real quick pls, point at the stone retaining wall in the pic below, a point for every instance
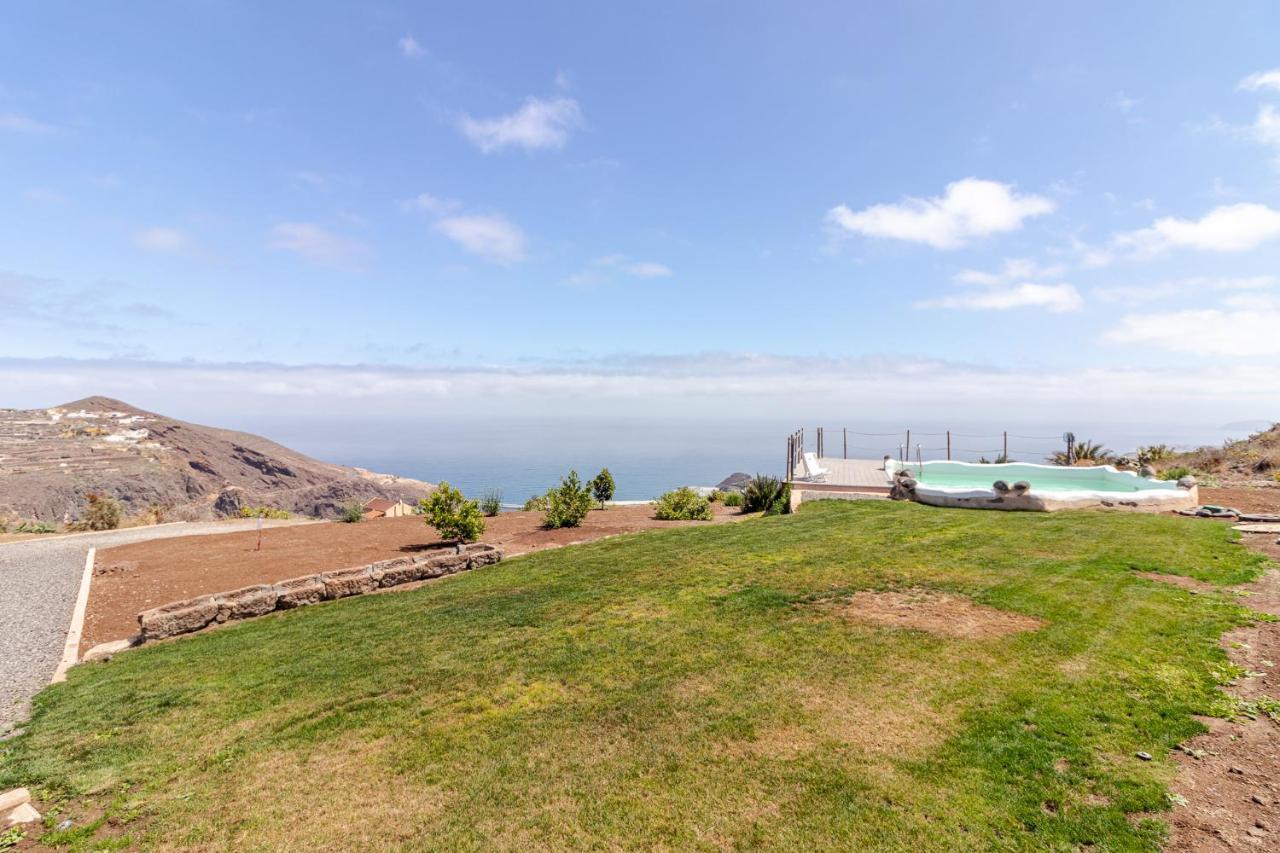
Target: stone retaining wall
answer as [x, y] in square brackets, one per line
[183, 617]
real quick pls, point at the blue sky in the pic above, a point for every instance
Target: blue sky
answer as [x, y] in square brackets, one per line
[638, 207]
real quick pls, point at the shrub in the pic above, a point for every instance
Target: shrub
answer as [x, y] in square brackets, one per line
[733, 499]
[1085, 451]
[602, 487]
[761, 493]
[716, 495]
[782, 504]
[103, 513]
[537, 503]
[1155, 453]
[352, 513]
[271, 512]
[568, 503]
[31, 527]
[684, 504]
[1175, 473]
[491, 502]
[455, 518]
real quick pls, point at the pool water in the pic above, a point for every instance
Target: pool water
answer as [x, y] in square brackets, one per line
[1043, 478]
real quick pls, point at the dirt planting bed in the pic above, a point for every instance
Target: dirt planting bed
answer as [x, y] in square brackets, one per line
[133, 578]
[1261, 499]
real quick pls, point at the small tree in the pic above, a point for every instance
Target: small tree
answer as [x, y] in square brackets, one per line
[684, 504]
[103, 513]
[568, 503]
[455, 518]
[352, 513]
[602, 487]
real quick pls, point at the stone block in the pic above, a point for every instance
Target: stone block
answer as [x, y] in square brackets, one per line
[347, 582]
[180, 617]
[443, 564]
[482, 554]
[246, 602]
[399, 571]
[299, 592]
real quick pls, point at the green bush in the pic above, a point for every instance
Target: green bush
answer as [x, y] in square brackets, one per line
[684, 504]
[352, 513]
[537, 503]
[716, 495]
[568, 503]
[1154, 453]
[1175, 473]
[455, 518]
[269, 512]
[30, 527]
[602, 487]
[781, 504]
[733, 499]
[102, 513]
[491, 502]
[761, 493]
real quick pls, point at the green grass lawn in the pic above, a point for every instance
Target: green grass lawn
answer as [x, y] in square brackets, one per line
[690, 688]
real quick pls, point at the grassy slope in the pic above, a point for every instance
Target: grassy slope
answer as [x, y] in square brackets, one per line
[682, 688]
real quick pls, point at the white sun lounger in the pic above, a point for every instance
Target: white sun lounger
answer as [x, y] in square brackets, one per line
[812, 470]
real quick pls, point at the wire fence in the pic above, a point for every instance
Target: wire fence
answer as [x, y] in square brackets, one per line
[908, 445]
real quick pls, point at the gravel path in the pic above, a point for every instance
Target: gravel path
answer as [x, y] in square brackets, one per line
[39, 580]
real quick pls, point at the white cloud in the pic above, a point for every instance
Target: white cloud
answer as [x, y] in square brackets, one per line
[163, 239]
[538, 123]
[1241, 328]
[23, 124]
[410, 48]
[1229, 228]
[1261, 80]
[427, 203]
[1176, 288]
[318, 245]
[491, 236]
[1014, 269]
[1124, 103]
[967, 209]
[1058, 298]
[604, 269]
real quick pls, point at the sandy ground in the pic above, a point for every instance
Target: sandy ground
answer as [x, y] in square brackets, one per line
[133, 578]
[1230, 777]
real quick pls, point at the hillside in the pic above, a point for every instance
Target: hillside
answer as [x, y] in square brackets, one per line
[1252, 461]
[51, 458]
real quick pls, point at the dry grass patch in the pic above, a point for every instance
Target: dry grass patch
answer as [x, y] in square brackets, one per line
[941, 613]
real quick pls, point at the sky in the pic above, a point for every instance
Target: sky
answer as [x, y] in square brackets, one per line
[859, 212]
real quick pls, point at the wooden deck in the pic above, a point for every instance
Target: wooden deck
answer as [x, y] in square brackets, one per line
[846, 475]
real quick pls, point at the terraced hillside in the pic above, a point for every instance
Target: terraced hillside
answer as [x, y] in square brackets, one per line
[50, 459]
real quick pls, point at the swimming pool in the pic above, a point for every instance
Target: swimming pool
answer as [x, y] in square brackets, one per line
[1049, 487]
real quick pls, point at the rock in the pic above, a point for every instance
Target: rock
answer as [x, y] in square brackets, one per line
[482, 554]
[398, 571]
[1145, 756]
[180, 617]
[24, 813]
[1021, 487]
[246, 602]
[1258, 800]
[299, 592]
[104, 651]
[735, 482]
[347, 582]
[1187, 482]
[14, 798]
[1235, 770]
[1147, 472]
[66, 824]
[442, 564]
[1000, 487]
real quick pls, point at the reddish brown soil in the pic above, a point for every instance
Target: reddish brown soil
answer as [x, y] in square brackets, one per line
[133, 578]
[1230, 776]
[1243, 499]
[935, 612]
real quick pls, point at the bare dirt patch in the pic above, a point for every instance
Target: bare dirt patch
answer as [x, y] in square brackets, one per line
[1262, 499]
[936, 612]
[136, 577]
[1180, 581]
[1230, 776]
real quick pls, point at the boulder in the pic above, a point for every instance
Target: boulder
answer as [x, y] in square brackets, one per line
[246, 602]
[1021, 487]
[347, 582]
[1000, 487]
[1147, 472]
[104, 651]
[180, 617]
[1187, 482]
[14, 798]
[299, 592]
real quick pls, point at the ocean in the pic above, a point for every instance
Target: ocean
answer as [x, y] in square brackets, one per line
[524, 457]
